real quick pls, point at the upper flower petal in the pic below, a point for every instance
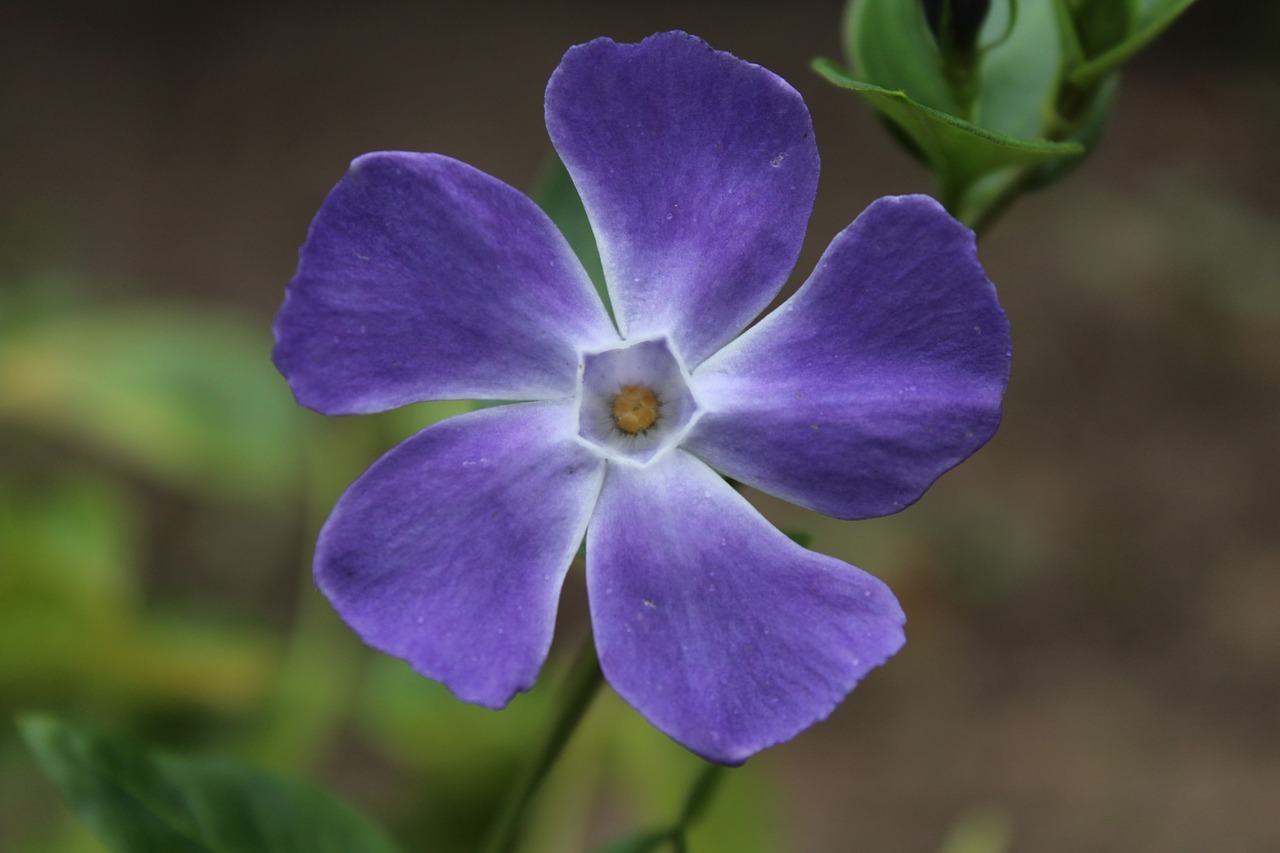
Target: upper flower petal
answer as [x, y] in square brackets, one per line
[698, 171]
[723, 632]
[423, 278]
[883, 371]
[450, 551]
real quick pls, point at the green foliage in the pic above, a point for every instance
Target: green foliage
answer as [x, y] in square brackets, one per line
[137, 800]
[803, 538]
[189, 396]
[892, 46]
[1146, 20]
[70, 618]
[959, 152]
[1101, 24]
[1016, 111]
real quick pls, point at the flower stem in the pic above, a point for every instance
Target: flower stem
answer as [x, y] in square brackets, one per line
[980, 217]
[696, 803]
[579, 686]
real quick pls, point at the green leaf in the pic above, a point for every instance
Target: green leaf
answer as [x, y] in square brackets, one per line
[190, 396]
[803, 538]
[1073, 49]
[1102, 24]
[1019, 75]
[959, 152]
[1087, 136]
[1155, 17]
[889, 44]
[559, 199]
[137, 800]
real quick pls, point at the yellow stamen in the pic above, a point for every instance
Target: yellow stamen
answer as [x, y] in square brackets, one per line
[635, 409]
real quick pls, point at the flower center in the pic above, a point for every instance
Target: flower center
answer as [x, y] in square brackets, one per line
[635, 409]
[635, 401]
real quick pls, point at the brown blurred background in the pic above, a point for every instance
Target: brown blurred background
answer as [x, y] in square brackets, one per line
[1094, 639]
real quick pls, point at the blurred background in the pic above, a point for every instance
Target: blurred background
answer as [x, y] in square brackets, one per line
[1094, 648]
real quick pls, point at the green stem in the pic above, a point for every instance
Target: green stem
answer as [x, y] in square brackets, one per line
[696, 803]
[579, 686]
[980, 217]
[1070, 118]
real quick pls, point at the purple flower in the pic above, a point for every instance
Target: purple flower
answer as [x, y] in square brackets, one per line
[425, 279]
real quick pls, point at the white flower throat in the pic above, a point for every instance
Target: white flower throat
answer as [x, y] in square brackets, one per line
[635, 401]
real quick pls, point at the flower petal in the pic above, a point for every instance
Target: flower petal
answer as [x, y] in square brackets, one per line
[883, 371]
[450, 551]
[698, 171]
[723, 632]
[425, 279]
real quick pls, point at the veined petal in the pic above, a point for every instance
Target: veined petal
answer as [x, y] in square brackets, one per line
[423, 278]
[450, 551]
[719, 629]
[698, 172]
[883, 371]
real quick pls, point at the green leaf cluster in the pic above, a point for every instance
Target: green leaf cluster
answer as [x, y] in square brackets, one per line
[1016, 111]
[135, 799]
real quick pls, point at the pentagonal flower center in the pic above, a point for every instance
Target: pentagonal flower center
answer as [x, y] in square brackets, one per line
[635, 401]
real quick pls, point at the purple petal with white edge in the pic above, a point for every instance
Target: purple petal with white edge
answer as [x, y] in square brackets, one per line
[883, 371]
[698, 172]
[720, 630]
[423, 278]
[450, 551]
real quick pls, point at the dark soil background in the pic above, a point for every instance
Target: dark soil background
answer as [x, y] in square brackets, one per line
[1094, 654]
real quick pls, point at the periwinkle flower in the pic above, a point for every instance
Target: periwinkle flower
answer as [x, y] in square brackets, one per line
[425, 279]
